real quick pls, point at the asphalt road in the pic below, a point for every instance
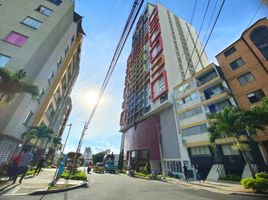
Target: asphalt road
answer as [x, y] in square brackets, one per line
[122, 187]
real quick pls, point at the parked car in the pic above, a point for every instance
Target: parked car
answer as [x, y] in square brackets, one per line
[99, 168]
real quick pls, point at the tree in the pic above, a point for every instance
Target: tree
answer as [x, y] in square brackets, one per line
[39, 133]
[12, 84]
[98, 157]
[236, 123]
[55, 143]
[121, 160]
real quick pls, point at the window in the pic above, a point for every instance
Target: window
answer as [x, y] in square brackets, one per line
[228, 150]
[200, 151]
[50, 78]
[259, 37]
[4, 60]
[27, 118]
[195, 130]
[66, 50]
[16, 38]
[230, 51]
[41, 94]
[161, 84]
[256, 96]
[156, 50]
[56, 2]
[44, 10]
[72, 40]
[189, 98]
[190, 113]
[31, 22]
[237, 63]
[59, 63]
[246, 78]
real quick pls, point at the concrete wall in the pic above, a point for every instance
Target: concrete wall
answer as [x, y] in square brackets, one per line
[169, 140]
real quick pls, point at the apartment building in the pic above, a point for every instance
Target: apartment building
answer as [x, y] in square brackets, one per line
[245, 66]
[198, 97]
[160, 59]
[42, 37]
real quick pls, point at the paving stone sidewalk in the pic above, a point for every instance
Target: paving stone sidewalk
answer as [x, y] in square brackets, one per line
[218, 187]
[29, 184]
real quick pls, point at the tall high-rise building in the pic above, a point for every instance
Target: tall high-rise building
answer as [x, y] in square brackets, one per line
[42, 37]
[165, 52]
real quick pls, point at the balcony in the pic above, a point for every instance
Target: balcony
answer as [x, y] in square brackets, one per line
[206, 78]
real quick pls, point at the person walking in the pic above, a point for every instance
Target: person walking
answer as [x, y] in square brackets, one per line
[185, 170]
[197, 172]
[39, 165]
[26, 159]
[13, 166]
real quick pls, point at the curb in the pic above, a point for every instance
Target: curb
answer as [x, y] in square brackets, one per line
[249, 194]
[40, 192]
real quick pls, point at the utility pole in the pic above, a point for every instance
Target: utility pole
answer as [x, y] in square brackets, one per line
[80, 144]
[61, 154]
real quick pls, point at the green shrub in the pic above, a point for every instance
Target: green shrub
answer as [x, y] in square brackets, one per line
[257, 185]
[78, 175]
[262, 175]
[140, 174]
[170, 174]
[154, 177]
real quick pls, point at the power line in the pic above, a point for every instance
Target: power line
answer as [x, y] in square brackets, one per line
[211, 31]
[255, 13]
[137, 4]
[196, 41]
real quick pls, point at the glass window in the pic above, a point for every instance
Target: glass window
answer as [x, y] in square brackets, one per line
[33, 23]
[194, 130]
[246, 78]
[41, 94]
[56, 2]
[27, 118]
[161, 84]
[228, 150]
[4, 60]
[50, 78]
[230, 51]
[16, 38]
[44, 10]
[256, 96]
[237, 63]
[259, 37]
[190, 113]
[200, 151]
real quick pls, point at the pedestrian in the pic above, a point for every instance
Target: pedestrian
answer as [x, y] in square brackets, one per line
[197, 172]
[13, 166]
[185, 170]
[25, 159]
[39, 165]
[89, 167]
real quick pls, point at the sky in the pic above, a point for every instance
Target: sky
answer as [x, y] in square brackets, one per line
[103, 22]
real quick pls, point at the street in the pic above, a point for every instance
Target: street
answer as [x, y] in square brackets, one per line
[114, 187]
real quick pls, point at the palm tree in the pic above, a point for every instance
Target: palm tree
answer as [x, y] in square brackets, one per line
[56, 142]
[236, 123]
[37, 132]
[11, 84]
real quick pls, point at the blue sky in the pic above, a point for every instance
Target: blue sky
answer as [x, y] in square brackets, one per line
[103, 22]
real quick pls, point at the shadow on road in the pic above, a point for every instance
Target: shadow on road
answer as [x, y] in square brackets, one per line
[7, 189]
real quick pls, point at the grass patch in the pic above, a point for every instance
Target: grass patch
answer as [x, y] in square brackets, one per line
[231, 177]
[78, 175]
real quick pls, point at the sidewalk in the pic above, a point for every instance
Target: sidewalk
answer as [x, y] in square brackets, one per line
[29, 184]
[223, 187]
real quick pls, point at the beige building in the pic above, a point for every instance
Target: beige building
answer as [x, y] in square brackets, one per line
[44, 39]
